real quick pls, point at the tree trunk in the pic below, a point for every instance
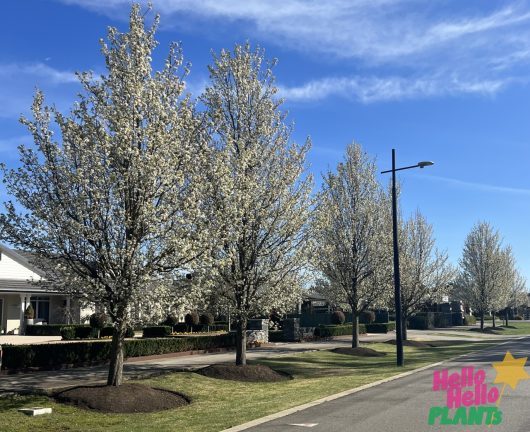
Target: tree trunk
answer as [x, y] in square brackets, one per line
[115, 377]
[506, 316]
[355, 330]
[241, 342]
[404, 327]
[482, 321]
[493, 319]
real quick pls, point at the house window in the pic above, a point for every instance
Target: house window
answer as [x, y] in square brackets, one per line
[41, 306]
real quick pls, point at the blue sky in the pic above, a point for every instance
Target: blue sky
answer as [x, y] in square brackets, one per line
[446, 81]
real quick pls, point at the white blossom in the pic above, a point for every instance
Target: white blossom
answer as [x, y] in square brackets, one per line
[115, 199]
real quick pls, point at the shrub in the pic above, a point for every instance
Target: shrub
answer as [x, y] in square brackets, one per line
[380, 327]
[53, 356]
[338, 317]
[108, 330]
[171, 320]
[68, 333]
[45, 330]
[276, 336]
[422, 321]
[469, 320]
[518, 317]
[367, 317]
[156, 331]
[98, 320]
[192, 319]
[29, 312]
[324, 331]
[206, 319]
[78, 332]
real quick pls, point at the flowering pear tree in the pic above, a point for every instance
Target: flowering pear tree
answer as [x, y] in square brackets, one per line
[262, 194]
[351, 236]
[114, 200]
[425, 271]
[484, 279]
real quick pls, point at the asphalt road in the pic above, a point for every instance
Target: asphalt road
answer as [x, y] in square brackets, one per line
[403, 405]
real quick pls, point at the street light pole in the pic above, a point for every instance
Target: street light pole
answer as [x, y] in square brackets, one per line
[397, 281]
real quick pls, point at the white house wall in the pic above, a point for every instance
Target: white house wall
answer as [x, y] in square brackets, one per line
[10, 269]
[11, 316]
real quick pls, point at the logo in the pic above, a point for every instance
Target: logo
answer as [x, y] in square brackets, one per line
[470, 400]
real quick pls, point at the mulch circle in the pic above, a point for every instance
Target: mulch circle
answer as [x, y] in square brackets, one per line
[126, 398]
[250, 373]
[417, 344]
[359, 352]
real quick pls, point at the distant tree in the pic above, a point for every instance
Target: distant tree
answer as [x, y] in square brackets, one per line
[262, 190]
[425, 271]
[484, 280]
[117, 199]
[351, 237]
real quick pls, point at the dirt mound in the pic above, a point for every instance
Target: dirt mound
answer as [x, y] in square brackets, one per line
[413, 343]
[359, 351]
[255, 373]
[127, 398]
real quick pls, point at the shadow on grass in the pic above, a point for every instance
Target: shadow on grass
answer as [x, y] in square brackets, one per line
[14, 402]
[326, 363]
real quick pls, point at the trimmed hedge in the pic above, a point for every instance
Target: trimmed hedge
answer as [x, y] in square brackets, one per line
[276, 336]
[337, 330]
[367, 317]
[107, 332]
[380, 327]
[184, 328]
[54, 356]
[78, 332]
[469, 320]
[156, 331]
[45, 330]
[55, 330]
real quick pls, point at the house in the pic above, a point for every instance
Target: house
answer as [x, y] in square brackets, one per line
[17, 291]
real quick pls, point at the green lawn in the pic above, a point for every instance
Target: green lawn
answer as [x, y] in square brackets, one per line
[220, 404]
[514, 328]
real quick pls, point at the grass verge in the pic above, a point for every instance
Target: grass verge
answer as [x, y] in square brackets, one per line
[217, 404]
[514, 328]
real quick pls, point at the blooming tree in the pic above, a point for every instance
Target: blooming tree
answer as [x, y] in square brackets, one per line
[351, 235]
[262, 194]
[486, 276]
[425, 271]
[115, 200]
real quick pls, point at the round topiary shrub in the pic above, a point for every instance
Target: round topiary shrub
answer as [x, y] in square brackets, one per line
[171, 320]
[98, 320]
[29, 313]
[338, 317]
[206, 319]
[367, 317]
[191, 319]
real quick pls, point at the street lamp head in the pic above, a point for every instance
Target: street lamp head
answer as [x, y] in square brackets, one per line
[423, 164]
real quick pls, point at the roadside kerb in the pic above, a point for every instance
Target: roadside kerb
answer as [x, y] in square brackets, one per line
[302, 407]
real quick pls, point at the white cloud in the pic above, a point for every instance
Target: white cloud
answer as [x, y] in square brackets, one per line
[479, 186]
[37, 71]
[480, 43]
[19, 80]
[382, 30]
[375, 89]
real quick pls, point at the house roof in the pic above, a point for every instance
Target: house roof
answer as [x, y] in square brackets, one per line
[22, 286]
[21, 257]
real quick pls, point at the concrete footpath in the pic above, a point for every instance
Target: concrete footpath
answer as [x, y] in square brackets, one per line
[143, 367]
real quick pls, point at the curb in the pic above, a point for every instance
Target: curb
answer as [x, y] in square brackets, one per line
[307, 405]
